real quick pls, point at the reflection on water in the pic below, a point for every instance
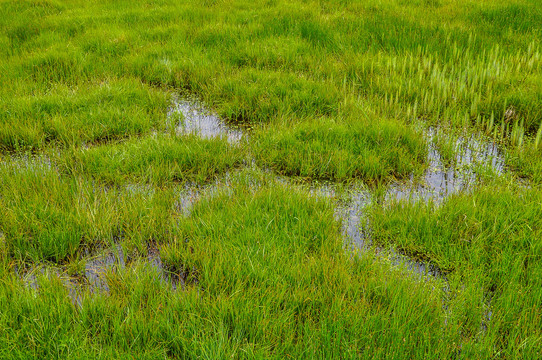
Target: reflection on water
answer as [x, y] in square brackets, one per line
[441, 181]
[196, 119]
[97, 269]
[438, 182]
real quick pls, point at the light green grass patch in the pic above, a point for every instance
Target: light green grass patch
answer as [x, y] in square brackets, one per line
[88, 113]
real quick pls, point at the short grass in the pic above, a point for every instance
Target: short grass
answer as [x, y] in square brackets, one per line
[327, 150]
[326, 90]
[158, 159]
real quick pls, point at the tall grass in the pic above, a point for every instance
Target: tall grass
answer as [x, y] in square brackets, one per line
[46, 216]
[489, 240]
[272, 279]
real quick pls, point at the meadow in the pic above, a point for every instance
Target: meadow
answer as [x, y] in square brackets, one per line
[366, 181]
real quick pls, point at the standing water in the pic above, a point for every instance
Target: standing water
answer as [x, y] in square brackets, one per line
[198, 120]
[439, 182]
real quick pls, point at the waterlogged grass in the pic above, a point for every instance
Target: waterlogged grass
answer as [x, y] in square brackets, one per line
[327, 150]
[527, 163]
[272, 279]
[49, 217]
[331, 91]
[159, 159]
[489, 239]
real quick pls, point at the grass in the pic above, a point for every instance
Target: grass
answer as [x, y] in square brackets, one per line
[249, 300]
[50, 217]
[489, 234]
[158, 159]
[91, 113]
[327, 150]
[336, 92]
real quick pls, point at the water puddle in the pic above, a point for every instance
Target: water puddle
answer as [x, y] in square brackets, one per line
[192, 117]
[30, 278]
[191, 193]
[26, 162]
[115, 259]
[97, 269]
[441, 181]
[350, 210]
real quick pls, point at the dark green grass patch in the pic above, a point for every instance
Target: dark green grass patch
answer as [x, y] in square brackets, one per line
[515, 17]
[527, 162]
[468, 230]
[326, 149]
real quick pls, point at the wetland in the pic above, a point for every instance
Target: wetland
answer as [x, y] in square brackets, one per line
[271, 179]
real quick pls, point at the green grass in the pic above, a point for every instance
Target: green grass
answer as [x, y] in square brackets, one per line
[327, 150]
[159, 159]
[271, 273]
[336, 91]
[50, 217]
[488, 238]
[92, 113]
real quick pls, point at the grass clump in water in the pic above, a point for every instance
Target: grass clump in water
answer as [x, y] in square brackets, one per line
[160, 159]
[341, 151]
[46, 216]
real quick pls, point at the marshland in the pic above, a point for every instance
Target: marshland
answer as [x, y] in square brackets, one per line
[271, 179]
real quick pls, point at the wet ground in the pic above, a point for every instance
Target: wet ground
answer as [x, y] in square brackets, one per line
[438, 182]
[441, 181]
[192, 117]
[98, 268]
